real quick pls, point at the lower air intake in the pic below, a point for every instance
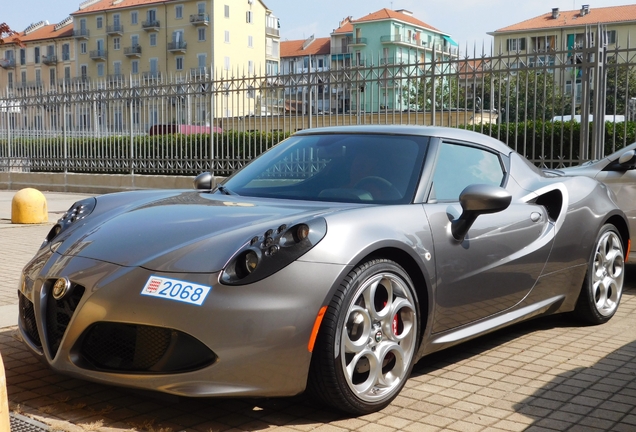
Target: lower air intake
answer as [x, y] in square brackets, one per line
[137, 348]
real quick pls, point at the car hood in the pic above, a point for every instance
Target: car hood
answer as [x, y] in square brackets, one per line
[184, 231]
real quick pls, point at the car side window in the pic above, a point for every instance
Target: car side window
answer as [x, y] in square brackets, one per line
[459, 166]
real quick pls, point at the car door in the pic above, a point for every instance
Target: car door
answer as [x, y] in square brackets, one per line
[498, 262]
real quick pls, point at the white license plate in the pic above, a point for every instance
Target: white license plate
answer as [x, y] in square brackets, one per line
[177, 290]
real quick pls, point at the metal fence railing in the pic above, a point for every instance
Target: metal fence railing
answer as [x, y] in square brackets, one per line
[205, 121]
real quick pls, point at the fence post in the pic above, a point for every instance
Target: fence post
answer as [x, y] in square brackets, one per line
[600, 90]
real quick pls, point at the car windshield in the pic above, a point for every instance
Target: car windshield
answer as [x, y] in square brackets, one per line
[356, 168]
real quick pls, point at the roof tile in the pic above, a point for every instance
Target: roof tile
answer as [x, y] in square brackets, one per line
[573, 18]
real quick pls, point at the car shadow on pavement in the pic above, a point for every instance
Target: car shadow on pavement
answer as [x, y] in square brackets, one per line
[601, 396]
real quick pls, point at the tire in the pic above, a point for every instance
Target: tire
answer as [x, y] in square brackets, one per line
[603, 285]
[367, 341]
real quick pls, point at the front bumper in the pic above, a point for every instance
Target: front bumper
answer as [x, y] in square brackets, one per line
[258, 333]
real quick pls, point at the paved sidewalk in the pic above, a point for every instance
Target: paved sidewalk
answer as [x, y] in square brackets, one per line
[548, 374]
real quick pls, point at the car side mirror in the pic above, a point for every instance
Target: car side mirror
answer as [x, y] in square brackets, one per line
[477, 200]
[203, 181]
[627, 158]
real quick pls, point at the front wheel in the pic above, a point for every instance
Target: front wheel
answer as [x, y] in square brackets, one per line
[367, 341]
[603, 285]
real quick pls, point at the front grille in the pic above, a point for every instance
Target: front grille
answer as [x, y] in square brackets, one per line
[27, 320]
[140, 348]
[58, 316]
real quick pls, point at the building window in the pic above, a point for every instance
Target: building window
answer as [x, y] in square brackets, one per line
[201, 32]
[227, 63]
[227, 36]
[117, 68]
[66, 52]
[227, 11]
[116, 43]
[248, 17]
[84, 71]
[100, 22]
[83, 48]
[250, 42]
[23, 77]
[134, 17]
[22, 56]
[38, 77]
[201, 8]
[153, 39]
[250, 67]
[611, 37]
[52, 77]
[10, 79]
[36, 55]
[179, 63]
[516, 44]
[67, 73]
[178, 11]
[134, 67]
[100, 69]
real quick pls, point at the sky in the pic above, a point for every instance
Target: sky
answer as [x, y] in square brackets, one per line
[467, 21]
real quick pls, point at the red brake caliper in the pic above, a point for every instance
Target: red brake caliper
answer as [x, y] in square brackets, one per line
[394, 324]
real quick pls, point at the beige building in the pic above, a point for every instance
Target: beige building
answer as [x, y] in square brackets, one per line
[44, 59]
[151, 39]
[563, 30]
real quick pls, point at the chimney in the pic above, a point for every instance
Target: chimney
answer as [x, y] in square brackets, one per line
[555, 13]
[585, 9]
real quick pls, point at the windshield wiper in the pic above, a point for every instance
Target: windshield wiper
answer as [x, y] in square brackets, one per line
[224, 190]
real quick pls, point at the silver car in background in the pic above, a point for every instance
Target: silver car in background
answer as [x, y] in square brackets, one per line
[618, 172]
[333, 262]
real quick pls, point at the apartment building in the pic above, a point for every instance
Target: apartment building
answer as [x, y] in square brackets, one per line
[44, 58]
[299, 60]
[535, 41]
[389, 38]
[150, 39]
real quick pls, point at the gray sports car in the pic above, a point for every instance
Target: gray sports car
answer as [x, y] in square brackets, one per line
[618, 172]
[331, 263]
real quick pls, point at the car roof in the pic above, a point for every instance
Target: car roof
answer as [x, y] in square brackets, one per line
[430, 131]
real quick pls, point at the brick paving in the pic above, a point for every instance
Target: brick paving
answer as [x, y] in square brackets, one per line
[549, 374]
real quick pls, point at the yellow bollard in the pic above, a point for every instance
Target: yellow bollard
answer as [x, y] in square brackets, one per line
[29, 207]
[4, 401]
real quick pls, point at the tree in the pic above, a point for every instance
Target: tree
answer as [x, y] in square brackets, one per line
[528, 94]
[5, 32]
[621, 87]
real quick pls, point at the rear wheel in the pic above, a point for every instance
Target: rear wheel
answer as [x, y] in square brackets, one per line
[367, 341]
[603, 285]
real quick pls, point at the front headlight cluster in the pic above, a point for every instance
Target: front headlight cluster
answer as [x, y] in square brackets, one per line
[267, 253]
[77, 212]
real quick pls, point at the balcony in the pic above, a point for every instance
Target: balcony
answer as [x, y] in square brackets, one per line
[358, 41]
[7, 63]
[49, 60]
[402, 40]
[271, 31]
[116, 78]
[99, 55]
[82, 80]
[115, 30]
[151, 76]
[81, 33]
[200, 19]
[133, 51]
[151, 25]
[199, 73]
[177, 47]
